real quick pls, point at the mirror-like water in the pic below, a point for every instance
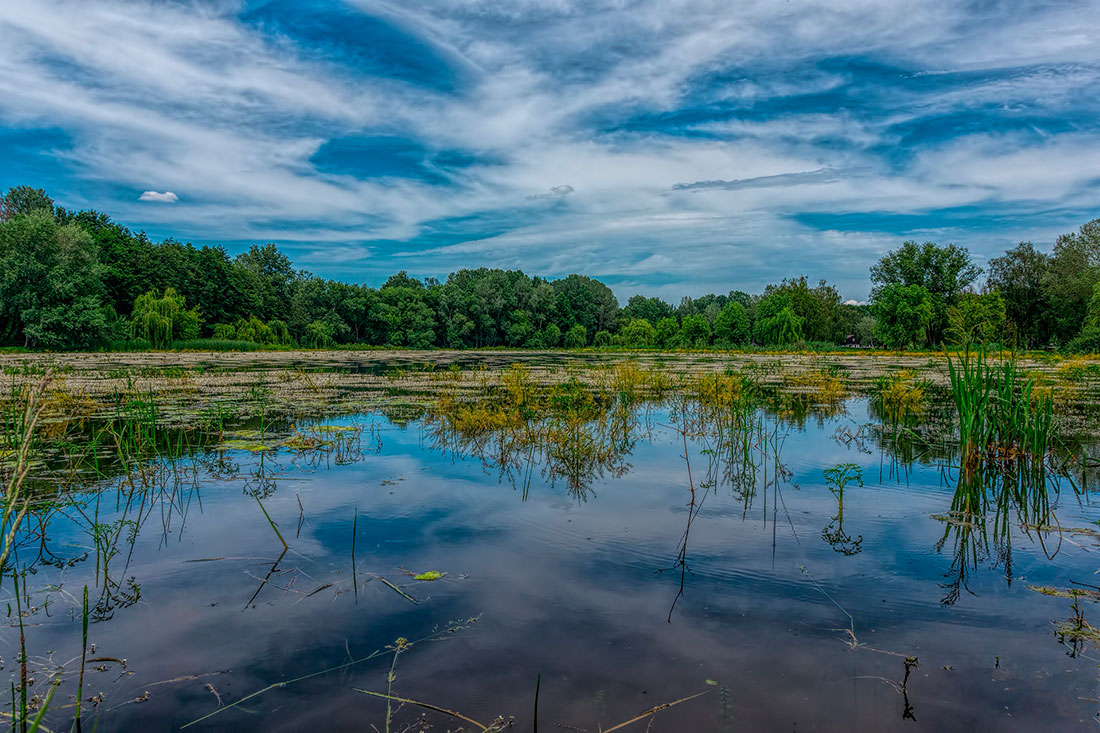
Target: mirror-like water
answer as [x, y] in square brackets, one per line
[630, 566]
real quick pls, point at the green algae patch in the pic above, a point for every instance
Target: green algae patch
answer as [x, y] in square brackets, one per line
[430, 575]
[251, 446]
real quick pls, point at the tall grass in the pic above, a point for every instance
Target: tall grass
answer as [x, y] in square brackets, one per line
[1000, 416]
[22, 425]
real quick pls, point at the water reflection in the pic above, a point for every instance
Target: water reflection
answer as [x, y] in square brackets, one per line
[985, 507]
[570, 433]
[722, 484]
[837, 479]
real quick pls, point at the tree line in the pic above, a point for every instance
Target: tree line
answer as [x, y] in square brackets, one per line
[77, 280]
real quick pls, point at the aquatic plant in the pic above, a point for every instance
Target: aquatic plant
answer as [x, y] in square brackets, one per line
[999, 418]
[900, 396]
[21, 429]
[820, 386]
[837, 478]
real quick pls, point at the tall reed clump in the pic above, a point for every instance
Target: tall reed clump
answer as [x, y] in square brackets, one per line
[1001, 417]
[21, 425]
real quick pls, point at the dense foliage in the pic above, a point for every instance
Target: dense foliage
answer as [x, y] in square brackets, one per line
[79, 280]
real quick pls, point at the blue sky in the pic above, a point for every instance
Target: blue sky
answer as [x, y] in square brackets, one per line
[667, 147]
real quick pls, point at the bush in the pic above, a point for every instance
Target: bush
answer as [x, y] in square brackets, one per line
[129, 345]
[1088, 342]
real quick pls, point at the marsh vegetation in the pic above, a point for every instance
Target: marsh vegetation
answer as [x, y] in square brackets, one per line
[691, 542]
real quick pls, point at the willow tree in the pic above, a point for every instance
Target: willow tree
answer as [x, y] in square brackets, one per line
[776, 322]
[162, 319]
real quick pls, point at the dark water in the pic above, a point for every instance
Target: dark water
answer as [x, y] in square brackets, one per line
[786, 620]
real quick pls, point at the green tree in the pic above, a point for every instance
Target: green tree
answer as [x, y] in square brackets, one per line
[1092, 315]
[318, 335]
[50, 286]
[731, 326]
[1088, 341]
[695, 331]
[776, 322]
[976, 318]
[667, 331]
[864, 330]
[24, 200]
[1018, 276]
[1069, 281]
[551, 336]
[944, 271]
[650, 309]
[587, 302]
[518, 329]
[254, 330]
[162, 319]
[902, 314]
[638, 333]
[410, 320]
[270, 277]
[575, 337]
[782, 329]
[281, 332]
[820, 307]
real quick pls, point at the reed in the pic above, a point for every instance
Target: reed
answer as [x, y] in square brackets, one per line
[83, 657]
[1000, 416]
[16, 503]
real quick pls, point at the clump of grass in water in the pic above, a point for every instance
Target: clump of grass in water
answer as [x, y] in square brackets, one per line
[1077, 631]
[999, 419]
[579, 430]
[822, 386]
[900, 396]
[15, 506]
[22, 425]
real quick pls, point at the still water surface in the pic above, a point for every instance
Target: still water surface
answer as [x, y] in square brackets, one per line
[788, 614]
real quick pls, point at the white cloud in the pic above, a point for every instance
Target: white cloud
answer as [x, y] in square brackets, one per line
[164, 198]
[189, 97]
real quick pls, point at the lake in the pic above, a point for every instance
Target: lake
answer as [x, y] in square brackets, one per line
[815, 572]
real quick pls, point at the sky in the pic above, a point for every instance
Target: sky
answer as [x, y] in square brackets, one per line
[666, 147]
